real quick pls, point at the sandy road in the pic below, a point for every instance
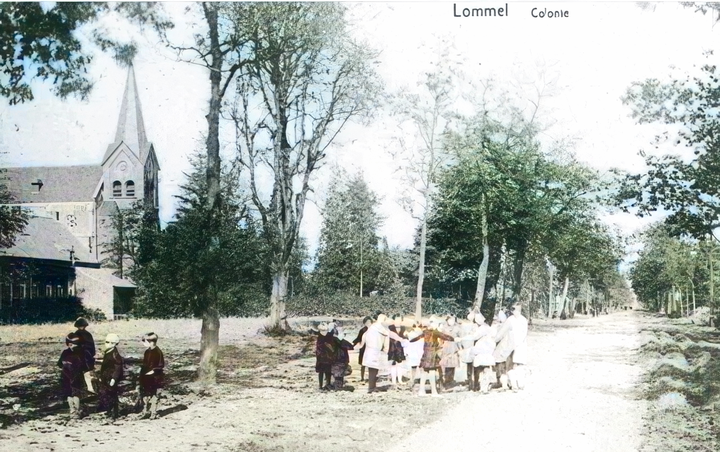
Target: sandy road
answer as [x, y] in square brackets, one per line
[580, 396]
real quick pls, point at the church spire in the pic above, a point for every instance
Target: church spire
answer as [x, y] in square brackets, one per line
[131, 128]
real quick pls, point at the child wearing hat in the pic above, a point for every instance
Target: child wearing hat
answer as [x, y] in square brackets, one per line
[325, 356]
[111, 372]
[151, 376]
[87, 343]
[73, 362]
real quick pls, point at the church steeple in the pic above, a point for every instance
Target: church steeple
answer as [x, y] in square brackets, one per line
[130, 126]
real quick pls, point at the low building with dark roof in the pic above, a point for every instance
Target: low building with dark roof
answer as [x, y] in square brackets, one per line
[61, 250]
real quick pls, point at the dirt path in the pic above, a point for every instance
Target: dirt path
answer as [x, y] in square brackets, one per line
[582, 395]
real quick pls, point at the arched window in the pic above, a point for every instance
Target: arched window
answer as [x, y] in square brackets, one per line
[117, 189]
[129, 188]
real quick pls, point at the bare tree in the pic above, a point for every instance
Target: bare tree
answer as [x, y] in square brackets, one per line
[425, 113]
[306, 78]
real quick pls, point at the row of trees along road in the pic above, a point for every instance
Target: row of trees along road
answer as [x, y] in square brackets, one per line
[491, 201]
[683, 183]
[505, 203]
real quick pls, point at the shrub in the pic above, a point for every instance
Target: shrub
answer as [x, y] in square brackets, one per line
[93, 315]
[41, 310]
[345, 305]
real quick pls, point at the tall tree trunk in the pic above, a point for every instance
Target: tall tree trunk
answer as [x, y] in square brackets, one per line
[532, 303]
[209, 340]
[563, 315]
[483, 269]
[421, 268]
[587, 295]
[550, 291]
[518, 265]
[693, 298]
[712, 291]
[277, 300]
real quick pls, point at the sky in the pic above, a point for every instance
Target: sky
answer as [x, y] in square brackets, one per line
[587, 60]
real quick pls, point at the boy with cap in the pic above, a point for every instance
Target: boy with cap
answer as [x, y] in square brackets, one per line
[111, 372]
[151, 376]
[87, 343]
[73, 362]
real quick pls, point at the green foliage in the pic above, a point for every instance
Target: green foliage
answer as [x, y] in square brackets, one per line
[667, 263]
[686, 188]
[132, 243]
[347, 305]
[349, 245]
[205, 257]
[40, 42]
[529, 200]
[41, 310]
[584, 248]
[12, 219]
[93, 315]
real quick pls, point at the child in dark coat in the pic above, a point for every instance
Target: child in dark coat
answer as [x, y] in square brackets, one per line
[87, 343]
[73, 362]
[340, 367]
[367, 321]
[151, 376]
[325, 356]
[111, 372]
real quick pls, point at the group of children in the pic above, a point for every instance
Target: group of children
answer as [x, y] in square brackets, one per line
[77, 362]
[430, 349]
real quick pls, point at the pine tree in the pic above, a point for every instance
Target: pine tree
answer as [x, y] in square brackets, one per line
[348, 255]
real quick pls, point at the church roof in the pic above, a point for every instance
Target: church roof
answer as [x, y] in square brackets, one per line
[46, 238]
[131, 127]
[40, 184]
[105, 276]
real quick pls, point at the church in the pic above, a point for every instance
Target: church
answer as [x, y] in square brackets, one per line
[61, 251]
